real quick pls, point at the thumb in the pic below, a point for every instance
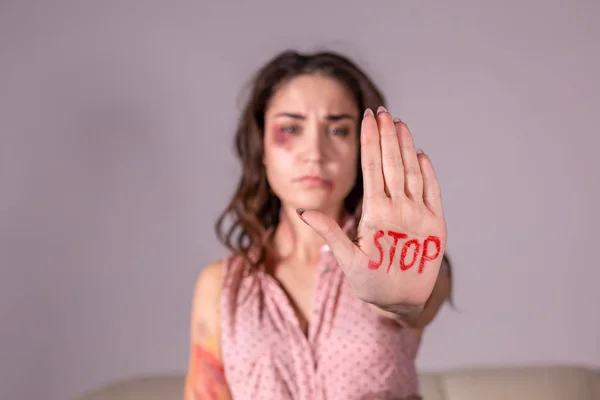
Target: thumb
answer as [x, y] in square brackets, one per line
[340, 244]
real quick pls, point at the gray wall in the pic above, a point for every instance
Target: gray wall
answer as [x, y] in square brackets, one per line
[116, 122]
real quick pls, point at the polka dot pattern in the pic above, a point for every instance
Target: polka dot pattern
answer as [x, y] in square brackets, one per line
[349, 352]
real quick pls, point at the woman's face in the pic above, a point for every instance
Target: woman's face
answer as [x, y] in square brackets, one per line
[310, 142]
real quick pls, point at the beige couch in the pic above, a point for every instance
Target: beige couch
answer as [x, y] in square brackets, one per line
[508, 383]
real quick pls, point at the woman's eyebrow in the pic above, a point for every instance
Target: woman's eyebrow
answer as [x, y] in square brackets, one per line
[330, 117]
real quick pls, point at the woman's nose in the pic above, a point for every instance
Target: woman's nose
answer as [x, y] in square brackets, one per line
[313, 146]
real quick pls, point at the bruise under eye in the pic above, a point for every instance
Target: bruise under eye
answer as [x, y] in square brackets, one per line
[281, 134]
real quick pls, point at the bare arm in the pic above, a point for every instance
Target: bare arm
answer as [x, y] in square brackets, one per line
[418, 317]
[205, 379]
[441, 292]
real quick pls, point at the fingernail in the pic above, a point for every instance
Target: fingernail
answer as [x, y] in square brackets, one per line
[368, 111]
[396, 120]
[381, 109]
[419, 151]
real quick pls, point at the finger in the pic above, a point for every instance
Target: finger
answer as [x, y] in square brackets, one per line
[340, 244]
[432, 195]
[371, 157]
[393, 170]
[413, 178]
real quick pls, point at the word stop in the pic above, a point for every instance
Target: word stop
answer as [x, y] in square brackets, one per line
[421, 251]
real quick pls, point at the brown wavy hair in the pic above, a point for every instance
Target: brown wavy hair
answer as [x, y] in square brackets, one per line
[245, 225]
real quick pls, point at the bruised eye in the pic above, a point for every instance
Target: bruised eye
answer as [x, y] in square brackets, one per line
[288, 129]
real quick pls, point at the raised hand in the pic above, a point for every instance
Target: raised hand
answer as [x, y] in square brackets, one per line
[402, 231]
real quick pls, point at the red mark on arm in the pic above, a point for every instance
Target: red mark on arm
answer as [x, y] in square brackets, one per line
[424, 256]
[210, 360]
[397, 236]
[206, 378]
[375, 265]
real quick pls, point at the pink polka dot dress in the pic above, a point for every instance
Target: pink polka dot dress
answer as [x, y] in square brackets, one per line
[349, 353]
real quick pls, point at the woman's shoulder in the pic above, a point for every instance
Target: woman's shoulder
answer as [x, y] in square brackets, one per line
[209, 283]
[220, 286]
[215, 275]
[212, 272]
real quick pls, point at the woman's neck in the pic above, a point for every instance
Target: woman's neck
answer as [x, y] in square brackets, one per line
[295, 241]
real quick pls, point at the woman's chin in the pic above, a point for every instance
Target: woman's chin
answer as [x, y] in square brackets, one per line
[324, 205]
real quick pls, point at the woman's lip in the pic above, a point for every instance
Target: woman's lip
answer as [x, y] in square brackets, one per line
[313, 178]
[316, 181]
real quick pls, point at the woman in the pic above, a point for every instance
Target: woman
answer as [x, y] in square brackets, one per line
[337, 236]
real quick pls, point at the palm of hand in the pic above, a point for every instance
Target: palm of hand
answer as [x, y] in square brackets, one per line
[402, 232]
